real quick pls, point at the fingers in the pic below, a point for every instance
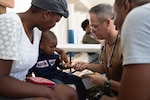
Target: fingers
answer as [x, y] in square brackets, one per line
[64, 59]
[68, 65]
[79, 66]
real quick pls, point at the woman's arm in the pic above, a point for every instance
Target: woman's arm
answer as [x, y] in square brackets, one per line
[13, 88]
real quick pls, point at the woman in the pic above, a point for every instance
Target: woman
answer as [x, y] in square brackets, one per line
[19, 43]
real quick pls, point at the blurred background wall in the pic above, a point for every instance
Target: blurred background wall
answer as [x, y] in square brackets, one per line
[78, 12]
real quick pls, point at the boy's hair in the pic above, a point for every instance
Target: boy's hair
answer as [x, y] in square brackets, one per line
[84, 24]
[48, 35]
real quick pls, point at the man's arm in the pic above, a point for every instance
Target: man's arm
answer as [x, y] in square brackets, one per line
[7, 3]
[100, 80]
[104, 97]
[135, 82]
[96, 68]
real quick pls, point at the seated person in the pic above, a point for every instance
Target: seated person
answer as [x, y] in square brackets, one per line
[49, 60]
[90, 38]
[20, 37]
[111, 54]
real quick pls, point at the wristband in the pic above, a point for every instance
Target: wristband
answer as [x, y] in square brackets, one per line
[107, 83]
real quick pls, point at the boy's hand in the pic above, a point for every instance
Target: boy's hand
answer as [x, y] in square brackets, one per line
[68, 65]
[28, 75]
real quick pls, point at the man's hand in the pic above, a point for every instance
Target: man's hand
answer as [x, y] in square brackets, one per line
[80, 66]
[97, 78]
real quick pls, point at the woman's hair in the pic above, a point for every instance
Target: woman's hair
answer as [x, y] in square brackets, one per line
[102, 11]
[84, 24]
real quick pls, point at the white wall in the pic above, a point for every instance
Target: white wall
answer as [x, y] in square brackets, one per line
[20, 6]
[61, 28]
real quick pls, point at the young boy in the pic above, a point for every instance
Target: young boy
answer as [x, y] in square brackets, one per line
[49, 60]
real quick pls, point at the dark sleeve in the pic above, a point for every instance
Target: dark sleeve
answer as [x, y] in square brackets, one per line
[58, 63]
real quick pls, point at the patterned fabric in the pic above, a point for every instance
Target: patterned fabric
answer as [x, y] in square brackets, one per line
[46, 65]
[15, 45]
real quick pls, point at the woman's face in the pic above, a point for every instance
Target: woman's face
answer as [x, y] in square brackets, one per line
[49, 20]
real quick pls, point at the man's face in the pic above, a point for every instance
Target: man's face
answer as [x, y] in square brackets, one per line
[119, 16]
[98, 27]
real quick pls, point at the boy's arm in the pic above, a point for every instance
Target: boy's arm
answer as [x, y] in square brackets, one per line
[62, 54]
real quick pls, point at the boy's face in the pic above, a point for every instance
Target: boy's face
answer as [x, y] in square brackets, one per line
[48, 47]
